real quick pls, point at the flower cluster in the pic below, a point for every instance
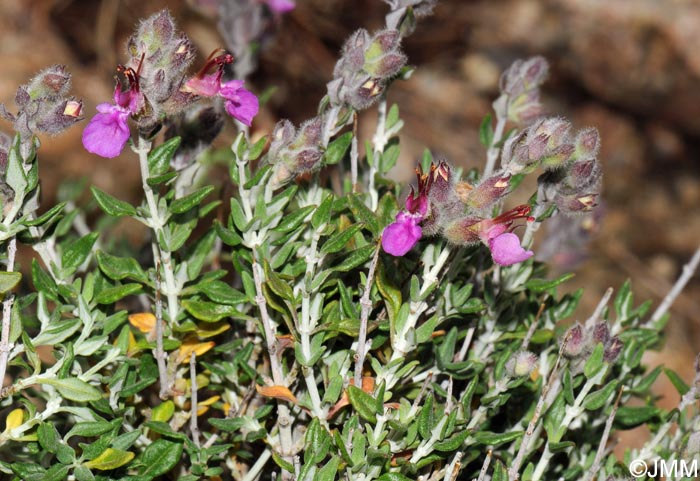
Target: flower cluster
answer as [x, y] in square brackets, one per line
[367, 63]
[520, 90]
[152, 87]
[582, 339]
[458, 212]
[293, 151]
[44, 106]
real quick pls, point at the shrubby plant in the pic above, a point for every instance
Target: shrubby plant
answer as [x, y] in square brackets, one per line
[297, 331]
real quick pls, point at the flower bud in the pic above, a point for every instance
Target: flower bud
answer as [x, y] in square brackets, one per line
[524, 75]
[386, 66]
[364, 66]
[60, 117]
[587, 144]
[296, 152]
[584, 175]
[488, 191]
[612, 349]
[576, 204]
[521, 364]
[558, 156]
[383, 42]
[464, 231]
[575, 342]
[520, 84]
[601, 333]
[161, 56]
[52, 82]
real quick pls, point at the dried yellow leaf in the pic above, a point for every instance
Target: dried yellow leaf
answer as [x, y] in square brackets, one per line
[277, 392]
[14, 419]
[203, 407]
[143, 321]
[189, 347]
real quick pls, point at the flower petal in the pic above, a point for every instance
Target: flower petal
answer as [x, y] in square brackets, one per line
[107, 132]
[206, 86]
[506, 249]
[243, 106]
[399, 237]
[280, 6]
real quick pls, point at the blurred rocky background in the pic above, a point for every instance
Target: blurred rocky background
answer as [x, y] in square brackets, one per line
[629, 67]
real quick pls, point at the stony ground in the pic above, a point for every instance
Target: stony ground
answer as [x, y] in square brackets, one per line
[629, 67]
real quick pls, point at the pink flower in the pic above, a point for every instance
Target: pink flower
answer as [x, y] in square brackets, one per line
[240, 104]
[108, 131]
[280, 6]
[400, 236]
[506, 249]
[504, 245]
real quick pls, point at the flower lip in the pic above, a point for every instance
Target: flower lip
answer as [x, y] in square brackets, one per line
[400, 236]
[506, 249]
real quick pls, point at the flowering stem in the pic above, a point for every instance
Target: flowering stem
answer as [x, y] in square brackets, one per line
[493, 151]
[157, 223]
[7, 313]
[533, 226]
[380, 139]
[366, 304]
[354, 156]
[595, 467]
[401, 344]
[284, 419]
[308, 321]
[513, 471]
[165, 385]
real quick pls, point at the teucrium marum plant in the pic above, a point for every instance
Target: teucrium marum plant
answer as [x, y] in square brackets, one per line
[285, 327]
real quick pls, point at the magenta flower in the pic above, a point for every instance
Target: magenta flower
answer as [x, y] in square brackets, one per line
[504, 245]
[279, 7]
[400, 236]
[108, 131]
[240, 104]
[506, 249]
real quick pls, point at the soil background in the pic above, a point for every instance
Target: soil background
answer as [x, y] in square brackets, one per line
[631, 68]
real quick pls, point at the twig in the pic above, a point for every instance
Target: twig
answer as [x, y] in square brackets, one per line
[448, 403]
[7, 313]
[688, 272]
[284, 418]
[366, 304]
[534, 225]
[254, 472]
[453, 469]
[485, 466]
[513, 473]
[492, 153]
[157, 223]
[165, 387]
[595, 467]
[194, 429]
[459, 357]
[533, 328]
[354, 156]
[590, 322]
[379, 140]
